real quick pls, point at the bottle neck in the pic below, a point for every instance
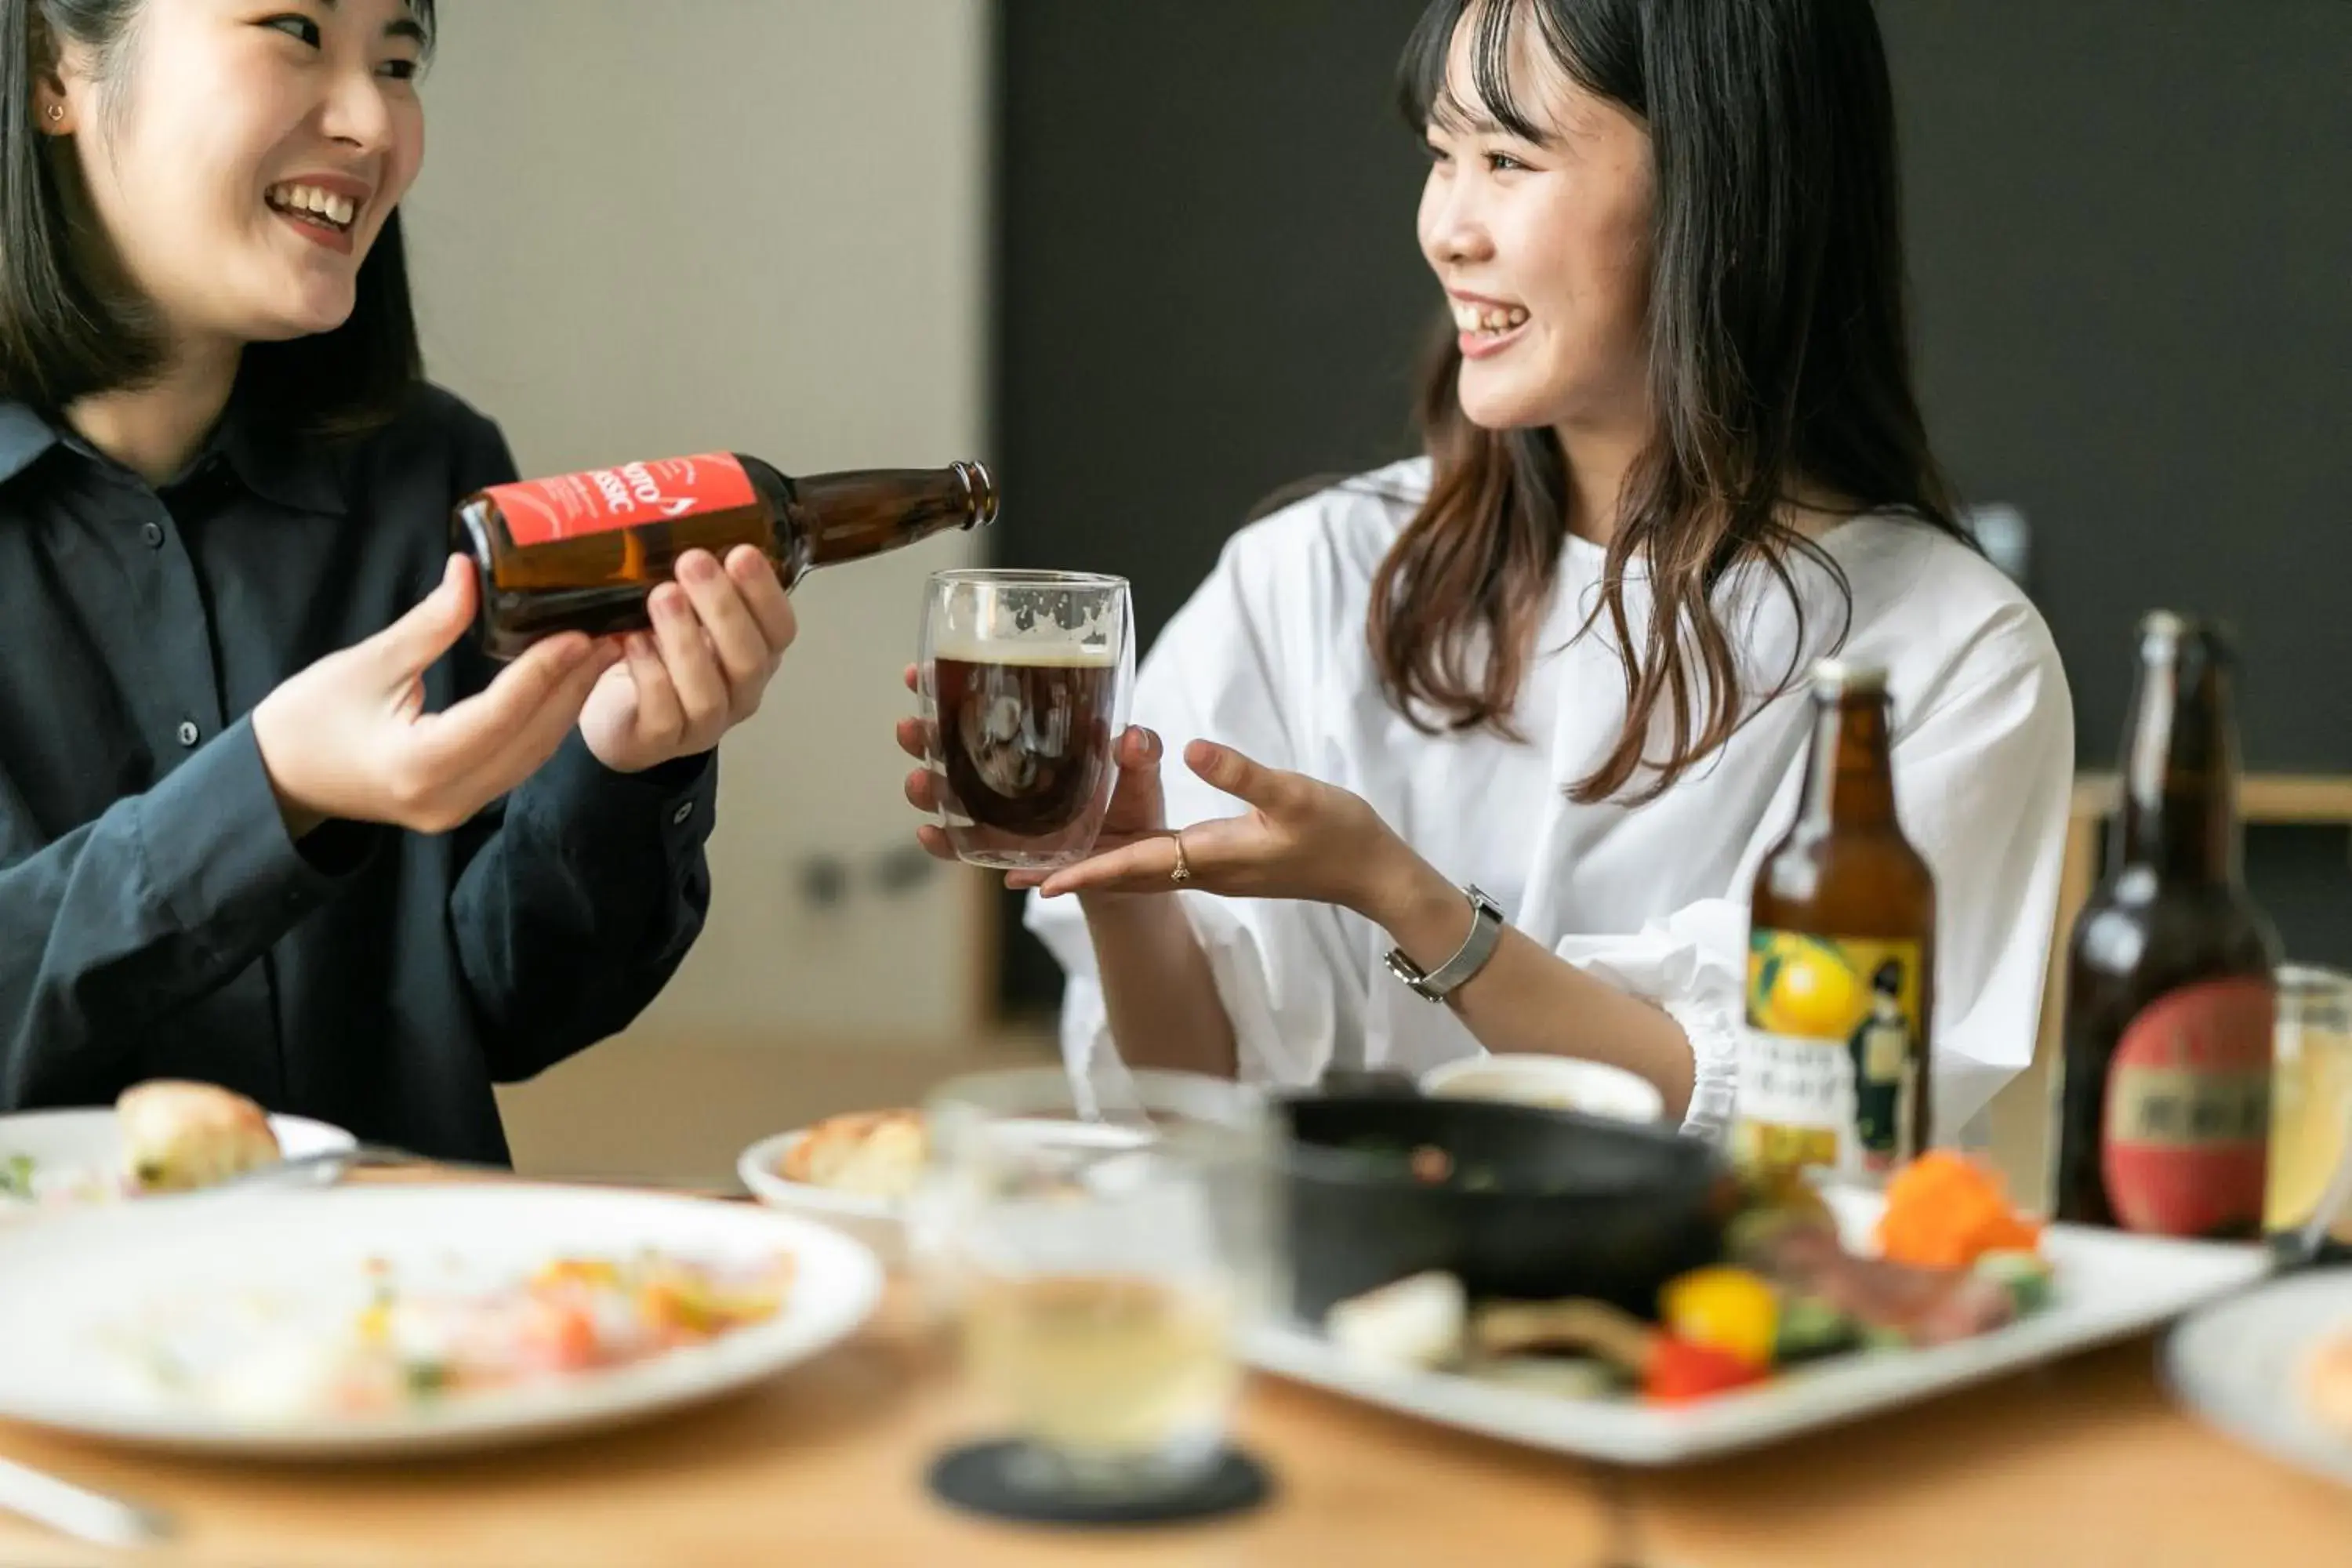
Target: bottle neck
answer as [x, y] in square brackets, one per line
[1850, 776]
[2179, 810]
[829, 519]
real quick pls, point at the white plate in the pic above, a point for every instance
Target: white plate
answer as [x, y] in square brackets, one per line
[62, 1285]
[2239, 1365]
[2109, 1285]
[879, 1223]
[89, 1139]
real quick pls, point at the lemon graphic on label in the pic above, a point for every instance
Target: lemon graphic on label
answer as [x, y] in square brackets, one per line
[1813, 992]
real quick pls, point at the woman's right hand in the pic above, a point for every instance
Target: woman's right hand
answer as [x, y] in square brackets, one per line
[349, 737]
[1138, 809]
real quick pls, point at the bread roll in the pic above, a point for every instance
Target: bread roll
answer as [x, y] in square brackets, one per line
[878, 1153]
[177, 1136]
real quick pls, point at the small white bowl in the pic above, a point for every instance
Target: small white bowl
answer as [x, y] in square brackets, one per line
[1558, 1083]
[879, 1223]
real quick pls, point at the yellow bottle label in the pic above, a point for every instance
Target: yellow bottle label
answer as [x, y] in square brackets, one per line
[1829, 1067]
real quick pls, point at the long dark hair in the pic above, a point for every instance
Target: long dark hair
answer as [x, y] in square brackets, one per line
[70, 324]
[1776, 355]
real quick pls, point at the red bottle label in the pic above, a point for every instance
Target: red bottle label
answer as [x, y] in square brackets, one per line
[2187, 1112]
[538, 512]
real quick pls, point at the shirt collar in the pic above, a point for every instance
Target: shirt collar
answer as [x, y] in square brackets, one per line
[23, 436]
[293, 469]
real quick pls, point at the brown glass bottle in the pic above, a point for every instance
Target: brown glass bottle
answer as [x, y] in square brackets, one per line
[1840, 960]
[581, 552]
[2164, 1108]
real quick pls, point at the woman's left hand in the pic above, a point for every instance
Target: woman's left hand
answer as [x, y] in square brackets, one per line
[1301, 838]
[719, 633]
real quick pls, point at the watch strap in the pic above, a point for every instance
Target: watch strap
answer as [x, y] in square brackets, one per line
[1437, 985]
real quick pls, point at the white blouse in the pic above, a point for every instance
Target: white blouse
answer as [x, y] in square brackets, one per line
[1270, 656]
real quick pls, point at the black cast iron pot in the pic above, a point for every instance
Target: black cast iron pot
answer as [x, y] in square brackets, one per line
[1532, 1203]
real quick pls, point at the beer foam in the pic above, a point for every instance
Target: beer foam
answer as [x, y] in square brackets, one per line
[1030, 655]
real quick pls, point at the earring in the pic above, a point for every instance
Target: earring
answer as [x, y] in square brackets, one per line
[57, 112]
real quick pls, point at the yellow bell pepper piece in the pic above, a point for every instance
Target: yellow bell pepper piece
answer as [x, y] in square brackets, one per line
[1725, 1309]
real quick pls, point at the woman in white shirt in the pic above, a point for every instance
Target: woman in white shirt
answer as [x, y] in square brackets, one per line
[1673, 455]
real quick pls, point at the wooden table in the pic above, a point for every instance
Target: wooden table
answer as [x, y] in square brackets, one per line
[2083, 1463]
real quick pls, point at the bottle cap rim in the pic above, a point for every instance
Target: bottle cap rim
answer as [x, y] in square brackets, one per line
[1838, 677]
[2175, 629]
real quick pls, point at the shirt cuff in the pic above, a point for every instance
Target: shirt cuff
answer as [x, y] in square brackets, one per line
[677, 798]
[1716, 1035]
[217, 854]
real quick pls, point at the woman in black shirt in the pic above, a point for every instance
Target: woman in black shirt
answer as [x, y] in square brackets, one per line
[266, 818]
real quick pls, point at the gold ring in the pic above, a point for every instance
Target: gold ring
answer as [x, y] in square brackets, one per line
[1183, 871]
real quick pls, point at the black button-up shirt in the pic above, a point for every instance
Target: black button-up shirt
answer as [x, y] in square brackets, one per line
[155, 918]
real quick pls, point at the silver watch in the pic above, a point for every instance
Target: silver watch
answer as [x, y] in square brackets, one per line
[1437, 985]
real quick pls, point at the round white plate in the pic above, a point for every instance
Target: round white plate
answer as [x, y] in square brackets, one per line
[89, 1139]
[879, 1223]
[66, 1292]
[2239, 1365]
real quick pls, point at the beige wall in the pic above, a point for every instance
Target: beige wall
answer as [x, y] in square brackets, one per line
[651, 228]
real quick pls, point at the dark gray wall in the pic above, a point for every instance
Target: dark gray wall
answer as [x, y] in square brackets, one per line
[2131, 232]
[2131, 236]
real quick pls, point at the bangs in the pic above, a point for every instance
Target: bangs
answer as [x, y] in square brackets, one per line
[1573, 36]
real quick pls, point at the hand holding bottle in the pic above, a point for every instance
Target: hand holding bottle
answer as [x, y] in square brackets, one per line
[349, 736]
[719, 634]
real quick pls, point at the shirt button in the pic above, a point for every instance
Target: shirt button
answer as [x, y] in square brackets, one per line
[153, 534]
[188, 732]
[682, 813]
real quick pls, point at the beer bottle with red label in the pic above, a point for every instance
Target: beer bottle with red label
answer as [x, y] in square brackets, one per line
[2164, 1110]
[1833, 1072]
[581, 552]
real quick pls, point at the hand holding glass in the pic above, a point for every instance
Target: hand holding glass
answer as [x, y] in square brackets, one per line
[1025, 679]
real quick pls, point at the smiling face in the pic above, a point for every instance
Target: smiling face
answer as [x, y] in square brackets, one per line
[243, 156]
[1542, 245]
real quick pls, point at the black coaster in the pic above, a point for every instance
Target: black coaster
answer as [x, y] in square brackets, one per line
[974, 1478]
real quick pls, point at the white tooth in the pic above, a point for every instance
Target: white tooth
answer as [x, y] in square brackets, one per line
[315, 199]
[1465, 317]
[341, 211]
